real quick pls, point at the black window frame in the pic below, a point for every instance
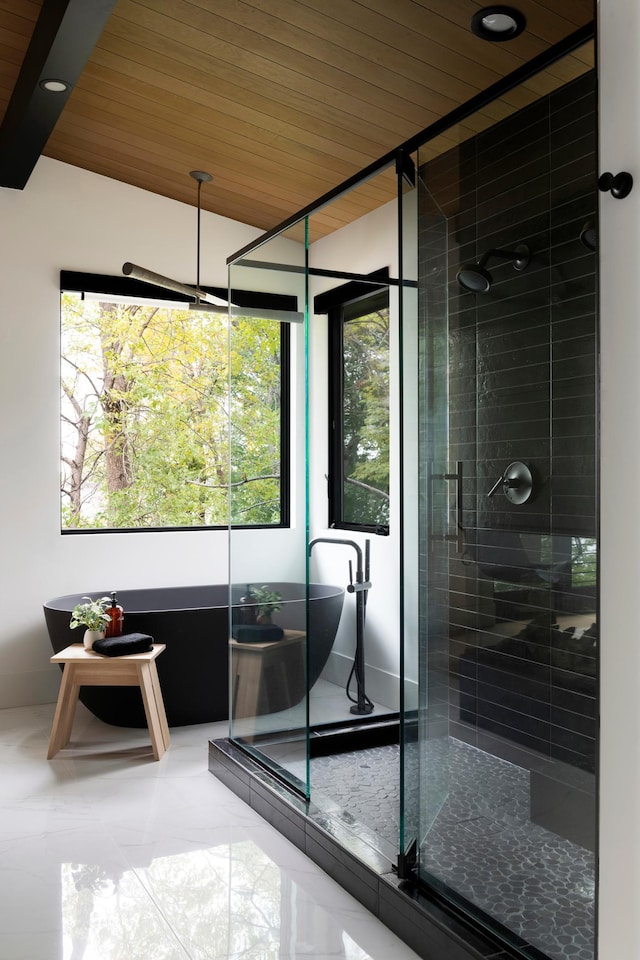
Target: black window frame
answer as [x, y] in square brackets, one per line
[72, 281]
[338, 307]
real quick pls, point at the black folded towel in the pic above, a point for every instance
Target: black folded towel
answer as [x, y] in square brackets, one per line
[258, 633]
[121, 646]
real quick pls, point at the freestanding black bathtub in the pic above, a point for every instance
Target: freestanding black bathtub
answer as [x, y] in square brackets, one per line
[193, 622]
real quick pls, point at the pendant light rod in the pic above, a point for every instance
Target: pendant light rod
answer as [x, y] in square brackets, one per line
[201, 177]
[157, 279]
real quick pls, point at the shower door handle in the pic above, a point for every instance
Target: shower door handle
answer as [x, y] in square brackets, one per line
[458, 536]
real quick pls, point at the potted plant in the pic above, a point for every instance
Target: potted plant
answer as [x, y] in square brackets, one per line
[92, 615]
[268, 603]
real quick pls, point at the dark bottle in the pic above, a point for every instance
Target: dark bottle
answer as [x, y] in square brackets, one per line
[116, 614]
[248, 607]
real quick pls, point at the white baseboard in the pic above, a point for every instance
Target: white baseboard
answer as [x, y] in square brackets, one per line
[381, 686]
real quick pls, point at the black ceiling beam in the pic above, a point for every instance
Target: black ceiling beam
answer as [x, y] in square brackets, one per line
[63, 39]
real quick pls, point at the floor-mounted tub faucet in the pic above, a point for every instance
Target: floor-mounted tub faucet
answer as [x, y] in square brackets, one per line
[362, 585]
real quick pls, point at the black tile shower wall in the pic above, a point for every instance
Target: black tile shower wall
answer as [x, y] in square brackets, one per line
[519, 373]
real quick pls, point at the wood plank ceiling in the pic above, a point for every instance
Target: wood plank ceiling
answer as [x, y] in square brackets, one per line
[282, 100]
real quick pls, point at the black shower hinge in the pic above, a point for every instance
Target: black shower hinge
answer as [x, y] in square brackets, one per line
[407, 863]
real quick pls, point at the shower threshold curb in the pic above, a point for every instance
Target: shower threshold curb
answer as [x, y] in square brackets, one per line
[337, 846]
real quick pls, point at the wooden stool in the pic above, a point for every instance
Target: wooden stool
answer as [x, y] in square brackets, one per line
[86, 668]
[268, 677]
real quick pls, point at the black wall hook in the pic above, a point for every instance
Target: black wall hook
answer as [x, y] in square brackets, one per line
[619, 186]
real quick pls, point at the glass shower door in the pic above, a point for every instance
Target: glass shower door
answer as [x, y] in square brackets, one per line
[507, 653]
[268, 686]
[429, 485]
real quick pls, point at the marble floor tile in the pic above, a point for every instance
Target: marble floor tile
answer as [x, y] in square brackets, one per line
[106, 854]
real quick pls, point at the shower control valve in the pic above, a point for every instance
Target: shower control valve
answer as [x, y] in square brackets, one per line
[516, 483]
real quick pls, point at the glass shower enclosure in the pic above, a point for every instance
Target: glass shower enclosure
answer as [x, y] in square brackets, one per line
[475, 772]
[508, 634]
[269, 590]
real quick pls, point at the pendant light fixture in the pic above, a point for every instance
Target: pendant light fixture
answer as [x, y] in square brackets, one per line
[157, 279]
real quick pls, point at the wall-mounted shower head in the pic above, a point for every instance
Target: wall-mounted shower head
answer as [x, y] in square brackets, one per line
[474, 278]
[588, 235]
[477, 279]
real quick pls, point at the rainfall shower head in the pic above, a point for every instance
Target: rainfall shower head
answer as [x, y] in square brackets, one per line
[588, 235]
[474, 278]
[477, 279]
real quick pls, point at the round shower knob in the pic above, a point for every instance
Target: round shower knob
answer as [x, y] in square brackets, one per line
[516, 483]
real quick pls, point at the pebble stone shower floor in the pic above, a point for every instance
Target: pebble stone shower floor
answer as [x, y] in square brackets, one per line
[481, 844]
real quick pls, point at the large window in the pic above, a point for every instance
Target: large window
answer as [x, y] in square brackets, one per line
[145, 411]
[359, 414]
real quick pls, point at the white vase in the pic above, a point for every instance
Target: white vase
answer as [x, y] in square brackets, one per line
[90, 636]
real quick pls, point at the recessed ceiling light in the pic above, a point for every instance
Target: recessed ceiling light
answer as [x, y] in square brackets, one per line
[498, 23]
[54, 86]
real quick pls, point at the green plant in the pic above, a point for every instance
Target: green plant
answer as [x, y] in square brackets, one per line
[91, 614]
[268, 601]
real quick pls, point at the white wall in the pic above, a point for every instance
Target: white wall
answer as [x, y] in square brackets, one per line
[67, 218]
[619, 246]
